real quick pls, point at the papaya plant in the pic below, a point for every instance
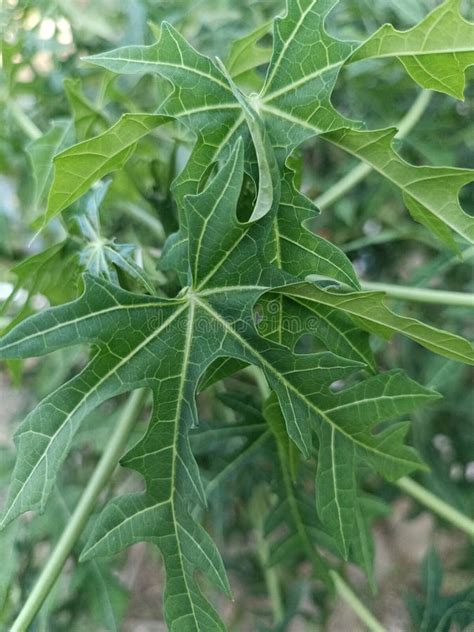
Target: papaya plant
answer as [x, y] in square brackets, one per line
[238, 293]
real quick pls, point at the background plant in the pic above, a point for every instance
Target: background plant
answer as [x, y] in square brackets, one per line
[145, 182]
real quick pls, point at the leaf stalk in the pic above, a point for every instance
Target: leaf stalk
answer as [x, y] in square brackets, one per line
[345, 592]
[422, 295]
[24, 121]
[429, 500]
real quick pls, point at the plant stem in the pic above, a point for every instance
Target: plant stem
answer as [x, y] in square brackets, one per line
[362, 170]
[24, 121]
[420, 295]
[258, 508]
[345, 592]
[83, 510]
[422, 495]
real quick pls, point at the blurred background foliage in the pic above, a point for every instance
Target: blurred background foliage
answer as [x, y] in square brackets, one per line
[46, 89]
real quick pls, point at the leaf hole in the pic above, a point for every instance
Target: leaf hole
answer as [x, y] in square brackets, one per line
[247, 198]
[466, 197]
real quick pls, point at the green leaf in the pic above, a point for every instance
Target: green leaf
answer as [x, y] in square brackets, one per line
[369, 312]
[295, 101]
[86, 117]
[430, 193]
[167, 345]
[332, 405]
[302, 71]
[53, 272]
[42, 151]
[336, 486]
[293, 105]
[293, 511]
[435, 52]
[77, 168]
[367, 509]
[246, 54]
[201, 97]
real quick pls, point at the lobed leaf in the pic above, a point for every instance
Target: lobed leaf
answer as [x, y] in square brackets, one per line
[435, 52]
[430, 193]
[370, 312]
[293, 105]
[234, 274]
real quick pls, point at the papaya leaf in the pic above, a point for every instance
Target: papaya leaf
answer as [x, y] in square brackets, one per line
[369, 312]
[243, 291]
[430, 193]
[435, 52]
[294, 105]
[167, 345]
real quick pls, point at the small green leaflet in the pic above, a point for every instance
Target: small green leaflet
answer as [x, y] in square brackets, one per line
[42, 151]
[78, 167]
[246, 54]
[86, 117]
[99, 256]
[435, 52]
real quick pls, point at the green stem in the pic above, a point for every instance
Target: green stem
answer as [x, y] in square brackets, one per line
[452, 515]
[24, 122]
[83, 510]
[362, 170]
[420, 295]
[258, 508]
[345, 592]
